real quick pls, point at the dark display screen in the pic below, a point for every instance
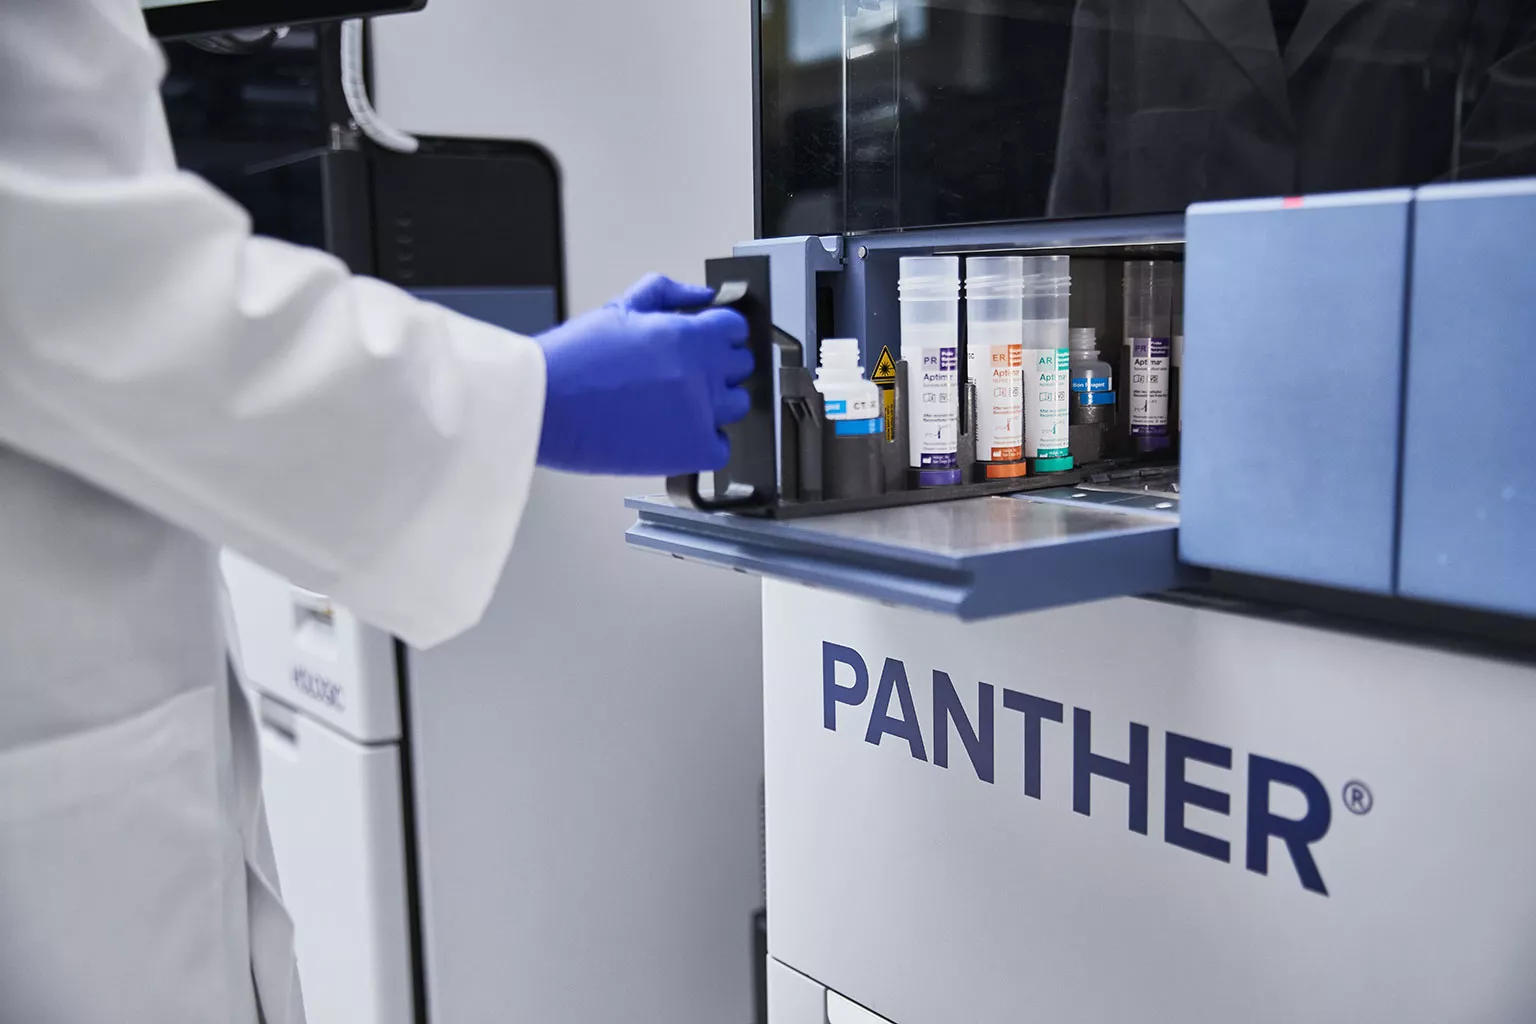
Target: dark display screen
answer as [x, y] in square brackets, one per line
[250, 124]
[883, 114]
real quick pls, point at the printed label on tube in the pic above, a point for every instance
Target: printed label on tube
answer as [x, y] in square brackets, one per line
[1048, 377]
[937, 416]
[998, 373]
[858, 428]
[1150, 359]
[855, 409]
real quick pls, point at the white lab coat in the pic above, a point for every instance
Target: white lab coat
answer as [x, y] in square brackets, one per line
[168, 383]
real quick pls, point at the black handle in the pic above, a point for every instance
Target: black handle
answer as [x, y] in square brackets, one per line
[728, 294]
[684, 490]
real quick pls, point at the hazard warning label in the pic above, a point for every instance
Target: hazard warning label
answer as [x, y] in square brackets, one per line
[885, 376]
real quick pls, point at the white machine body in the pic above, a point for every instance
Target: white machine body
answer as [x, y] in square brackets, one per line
[1307, 825]
[324, 693]
[316, 657]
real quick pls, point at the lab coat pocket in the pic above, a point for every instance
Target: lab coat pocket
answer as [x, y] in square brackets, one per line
[112, 873]
[1159, 159]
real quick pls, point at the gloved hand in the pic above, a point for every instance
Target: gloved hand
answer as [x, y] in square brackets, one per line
[637, 389]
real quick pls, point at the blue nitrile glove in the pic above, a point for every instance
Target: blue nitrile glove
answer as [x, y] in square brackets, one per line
[637, 389]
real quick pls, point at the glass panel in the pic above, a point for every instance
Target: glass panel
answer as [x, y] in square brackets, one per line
[245, 121]
[952, 109]
[800, 146]
[967, 111]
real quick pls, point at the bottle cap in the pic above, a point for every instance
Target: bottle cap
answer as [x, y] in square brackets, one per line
[929, 277]
[994, 277]
[1048, 287]
[1148, 296]
[939, 477]
[841, 353]
[1055, 270]
[1006, 470]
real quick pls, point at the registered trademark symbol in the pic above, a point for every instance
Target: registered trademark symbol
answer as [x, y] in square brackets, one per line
[1357, 797]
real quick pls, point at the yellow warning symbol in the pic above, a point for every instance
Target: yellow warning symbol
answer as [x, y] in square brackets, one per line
[888, 409]
[885, 367]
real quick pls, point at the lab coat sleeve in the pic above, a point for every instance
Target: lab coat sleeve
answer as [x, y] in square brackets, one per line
[363, 443]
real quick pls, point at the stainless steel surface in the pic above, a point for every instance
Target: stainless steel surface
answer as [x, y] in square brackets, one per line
[971, 526]
[1156, 502]
[1168, 487]
[1152, 501]
[1076, 495]
[1156, 493]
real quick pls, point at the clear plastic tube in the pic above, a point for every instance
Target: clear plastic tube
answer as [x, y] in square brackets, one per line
[1047, 362]
[1148, 335]
[356, 94]
[929, 291]
[994, 316]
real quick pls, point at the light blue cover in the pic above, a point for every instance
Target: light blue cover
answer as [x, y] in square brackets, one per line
[1291, 387]
[1469, 465]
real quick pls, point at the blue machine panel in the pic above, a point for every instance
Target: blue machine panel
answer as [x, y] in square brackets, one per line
[793, 264]
[1291, 389]
[1469, 472]
[972, 558]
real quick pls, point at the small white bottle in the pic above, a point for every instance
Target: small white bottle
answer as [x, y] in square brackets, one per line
[1093, 397]
[1092, 377]
[929, 291]
[852, 403]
